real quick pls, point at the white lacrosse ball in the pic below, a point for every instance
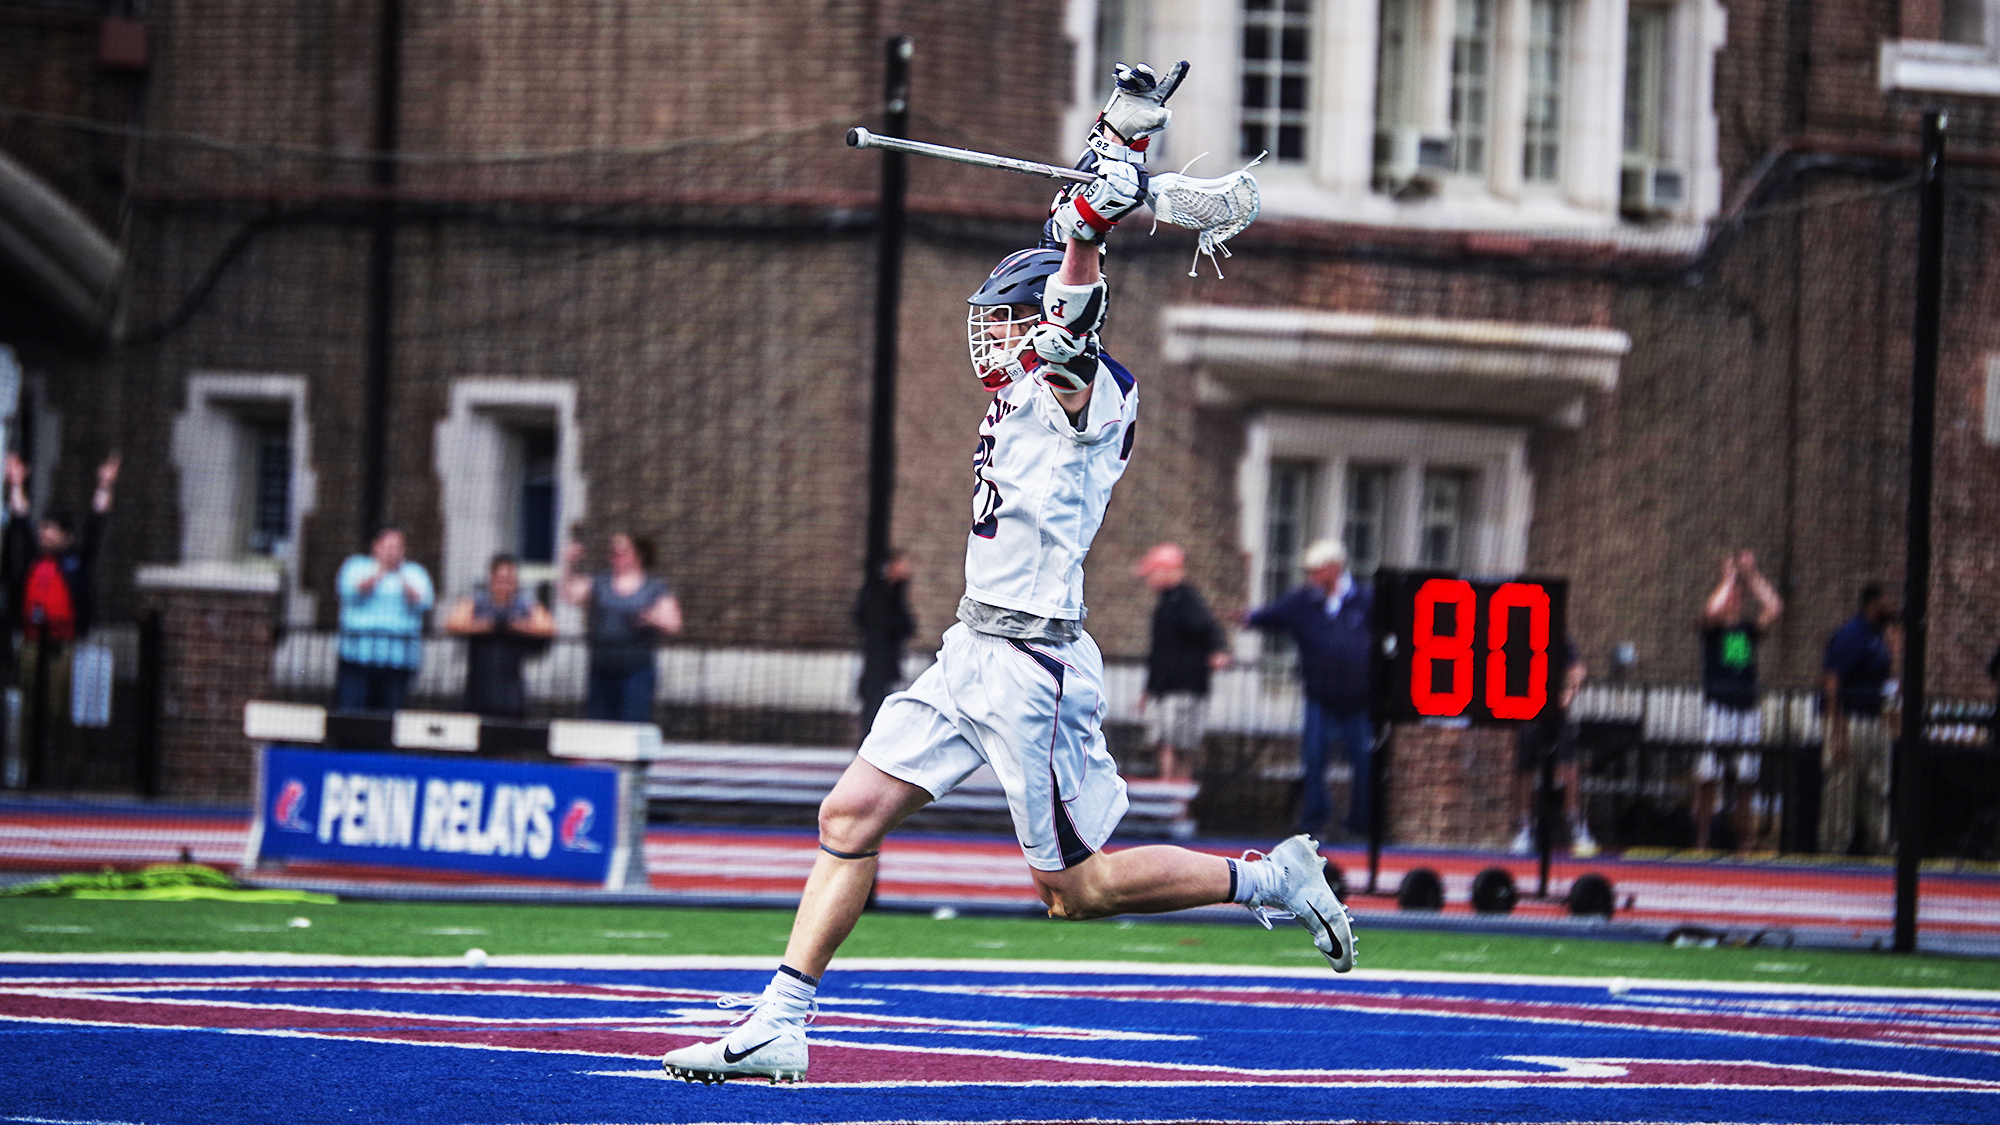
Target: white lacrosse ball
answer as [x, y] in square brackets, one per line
[475, 958]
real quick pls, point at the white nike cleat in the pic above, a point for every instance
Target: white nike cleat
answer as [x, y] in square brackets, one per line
[771, 1044]
[1302, 893]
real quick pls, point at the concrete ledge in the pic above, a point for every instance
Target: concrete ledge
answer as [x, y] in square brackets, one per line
[1498, 369]
[216, 577]
[1940, 68]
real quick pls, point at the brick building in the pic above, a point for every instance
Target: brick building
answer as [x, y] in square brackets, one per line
[1595, 288]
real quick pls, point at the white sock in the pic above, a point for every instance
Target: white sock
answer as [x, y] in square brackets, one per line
[1250, 882]
[792, 991]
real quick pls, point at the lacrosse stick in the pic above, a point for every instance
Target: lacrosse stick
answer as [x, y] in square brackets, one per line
[1216, 209]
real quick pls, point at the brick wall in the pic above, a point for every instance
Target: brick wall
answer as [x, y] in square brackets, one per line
[217, 657]
[1450, 787]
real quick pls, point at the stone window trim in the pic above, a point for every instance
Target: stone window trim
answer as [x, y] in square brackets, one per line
[1338, 181]
[206, 451]
[1495, 458]
[1942, 68]
[1499, 371]
[470, 456]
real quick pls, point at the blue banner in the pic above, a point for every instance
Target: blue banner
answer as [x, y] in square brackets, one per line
[401, 810]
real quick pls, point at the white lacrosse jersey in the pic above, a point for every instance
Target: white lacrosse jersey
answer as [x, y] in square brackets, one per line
[1039, 492]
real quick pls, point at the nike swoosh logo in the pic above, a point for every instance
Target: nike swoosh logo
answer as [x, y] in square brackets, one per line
[1330, 936]
[734, 1057]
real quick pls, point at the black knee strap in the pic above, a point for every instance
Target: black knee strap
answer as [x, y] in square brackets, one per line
[837, 854]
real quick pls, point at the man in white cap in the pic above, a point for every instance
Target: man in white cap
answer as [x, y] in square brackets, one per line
[1186, 646]
[1328, 618]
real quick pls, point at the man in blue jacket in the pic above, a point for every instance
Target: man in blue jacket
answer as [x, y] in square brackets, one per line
[1328, 619]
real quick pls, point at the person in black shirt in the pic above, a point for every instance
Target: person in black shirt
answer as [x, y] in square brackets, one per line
[882, 613]
[1553, 736]
[1187, 646]
[1730, 717]
[501, 625]
[1857, 676]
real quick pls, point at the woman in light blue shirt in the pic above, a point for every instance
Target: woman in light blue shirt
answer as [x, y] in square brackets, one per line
[383, 598]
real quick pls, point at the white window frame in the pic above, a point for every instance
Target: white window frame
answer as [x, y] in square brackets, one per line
[1497, 456]
[472, 454]
[1941, 67]
[1338, 180]
[208, 450]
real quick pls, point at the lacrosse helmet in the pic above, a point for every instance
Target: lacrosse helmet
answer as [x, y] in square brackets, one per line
[995, 332]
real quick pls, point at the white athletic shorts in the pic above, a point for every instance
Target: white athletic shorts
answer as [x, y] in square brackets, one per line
[1730, 726]
[1033, 711]
[1178, 719]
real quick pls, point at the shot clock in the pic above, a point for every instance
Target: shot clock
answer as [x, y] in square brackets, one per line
[1471, 649]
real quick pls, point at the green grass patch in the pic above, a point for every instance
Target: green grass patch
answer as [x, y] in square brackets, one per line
[443, 929]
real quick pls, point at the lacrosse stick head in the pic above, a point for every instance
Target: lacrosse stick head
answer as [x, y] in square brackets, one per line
[1216, 209]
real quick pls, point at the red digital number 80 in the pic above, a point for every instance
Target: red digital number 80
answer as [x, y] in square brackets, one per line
[1429, 647]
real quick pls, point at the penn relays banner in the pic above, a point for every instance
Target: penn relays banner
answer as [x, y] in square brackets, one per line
[400, 810]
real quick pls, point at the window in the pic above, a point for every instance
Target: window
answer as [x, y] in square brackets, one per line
[1441, 539]
[1471, 72]
[1367, 529]
[1121, 37]
[267, 488]
[1404, 493]
[507, 463]
[242, 452]
[1964, 22]
[1274, 63]
[1288, 524]
[1548, 40]
[1398, 66]
[1443, 114]
[1645, 81]
[1947, 47]
[535, 517]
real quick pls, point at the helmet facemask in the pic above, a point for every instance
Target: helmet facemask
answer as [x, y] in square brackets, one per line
[997, 337]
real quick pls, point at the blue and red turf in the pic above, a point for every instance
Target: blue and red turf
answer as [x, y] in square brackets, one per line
[163, 1040]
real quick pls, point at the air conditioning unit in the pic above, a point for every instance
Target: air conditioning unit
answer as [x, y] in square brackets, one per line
[1404, 152]
[1646, 188]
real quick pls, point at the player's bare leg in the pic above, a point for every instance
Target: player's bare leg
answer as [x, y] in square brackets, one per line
[771, 1042]
[864, 807]
[1162, 878]
[1149, 880]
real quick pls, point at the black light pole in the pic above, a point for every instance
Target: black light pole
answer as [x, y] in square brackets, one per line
[888, 296]
[880, 611]
[378, 354]
[1910, 751]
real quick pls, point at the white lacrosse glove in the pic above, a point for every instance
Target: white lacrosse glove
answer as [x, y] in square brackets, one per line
[1135, 112]
[1066, 339]
[1087, 212]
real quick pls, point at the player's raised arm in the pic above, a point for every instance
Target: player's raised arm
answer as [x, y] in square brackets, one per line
[1075, 300]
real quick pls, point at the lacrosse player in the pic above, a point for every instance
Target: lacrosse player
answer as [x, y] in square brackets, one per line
[1018, 684]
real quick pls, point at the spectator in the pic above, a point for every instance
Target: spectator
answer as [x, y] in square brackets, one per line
[1187, 645]
[1553, 735]
[1854, 763]
[629, 612]
[383, 599]
[1328, 618]
[1730, 715]
[52, 594]
[882, 613]
[501, 625]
